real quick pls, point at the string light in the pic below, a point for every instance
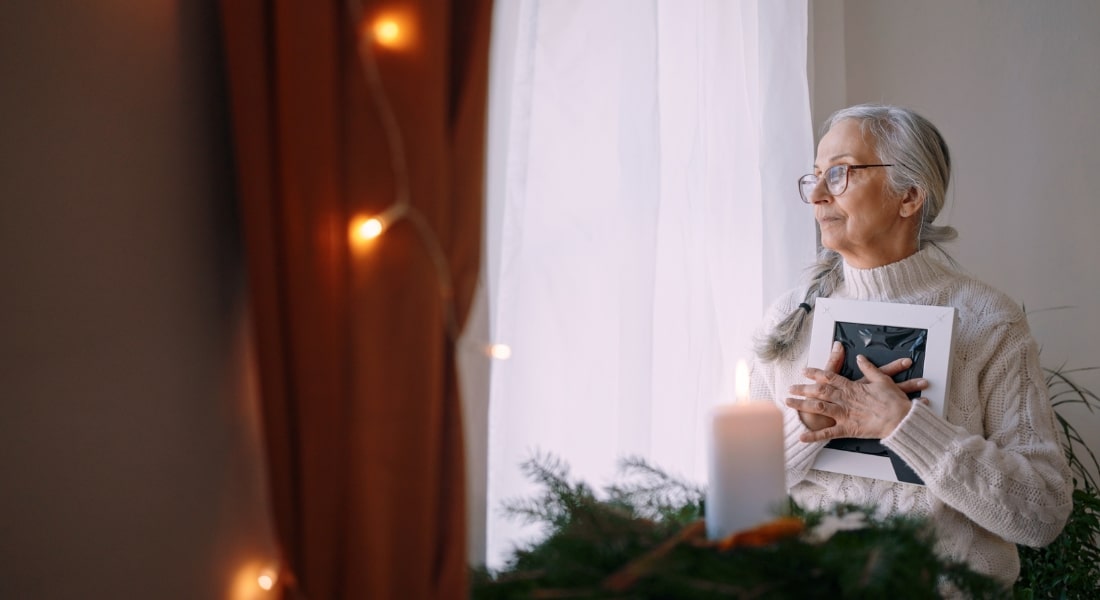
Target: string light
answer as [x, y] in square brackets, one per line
[256, 581]
[394, 29]
[387, 32]
[364, 228]
[267, 579]
[369, 229]
[500, 351]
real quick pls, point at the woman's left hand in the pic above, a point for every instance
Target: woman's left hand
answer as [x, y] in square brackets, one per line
[870, 408]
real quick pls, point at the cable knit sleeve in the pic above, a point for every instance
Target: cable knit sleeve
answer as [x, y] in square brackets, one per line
[1004, 469]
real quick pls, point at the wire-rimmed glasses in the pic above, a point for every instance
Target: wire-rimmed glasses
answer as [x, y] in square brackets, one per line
[836, 180]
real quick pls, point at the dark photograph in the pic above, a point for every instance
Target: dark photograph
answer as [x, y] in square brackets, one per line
[882, 344]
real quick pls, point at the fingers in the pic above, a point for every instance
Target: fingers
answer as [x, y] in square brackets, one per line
[814, 406]
[814, 422]
[822, 391]
[897, 366]
[913, 385]
[823, 376]
[822, 435]
[888, 371]
[836, 358]
[870, 371]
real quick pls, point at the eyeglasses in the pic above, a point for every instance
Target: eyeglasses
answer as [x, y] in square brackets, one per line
[836, 180]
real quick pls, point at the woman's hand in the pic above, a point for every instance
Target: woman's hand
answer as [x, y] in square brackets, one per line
[836, 407]
[814, 421]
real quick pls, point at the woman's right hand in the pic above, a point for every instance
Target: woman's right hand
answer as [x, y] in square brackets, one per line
[816, 422]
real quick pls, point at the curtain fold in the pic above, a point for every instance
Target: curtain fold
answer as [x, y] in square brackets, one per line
[642, 210]
[362, 418]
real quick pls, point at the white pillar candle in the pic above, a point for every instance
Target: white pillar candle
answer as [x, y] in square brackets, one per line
[746, 484]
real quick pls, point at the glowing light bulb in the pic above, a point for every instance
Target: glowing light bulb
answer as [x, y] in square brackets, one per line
[393, 28]
[387, 32]
[500, 351]
[267, 579]
[363, 229]
[370, 229]
[254, 580]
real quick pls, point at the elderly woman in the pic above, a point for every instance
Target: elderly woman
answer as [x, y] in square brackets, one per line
[993, 468]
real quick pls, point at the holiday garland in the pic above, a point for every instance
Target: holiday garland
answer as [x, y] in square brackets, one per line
[644, 539]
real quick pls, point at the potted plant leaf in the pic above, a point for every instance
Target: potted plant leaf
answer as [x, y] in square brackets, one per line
[1070, 566]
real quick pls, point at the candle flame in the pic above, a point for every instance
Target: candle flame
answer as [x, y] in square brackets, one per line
[741, 382]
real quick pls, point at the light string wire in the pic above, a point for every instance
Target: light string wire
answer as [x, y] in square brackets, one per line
[402, 207]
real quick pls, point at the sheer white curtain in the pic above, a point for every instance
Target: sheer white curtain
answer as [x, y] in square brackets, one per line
[642, 211]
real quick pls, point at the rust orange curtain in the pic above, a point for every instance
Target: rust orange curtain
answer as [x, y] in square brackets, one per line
[360, 400]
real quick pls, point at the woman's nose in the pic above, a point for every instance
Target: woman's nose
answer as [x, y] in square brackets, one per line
[820, 193]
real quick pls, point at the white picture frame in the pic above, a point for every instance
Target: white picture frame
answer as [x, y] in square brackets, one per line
[937, 321]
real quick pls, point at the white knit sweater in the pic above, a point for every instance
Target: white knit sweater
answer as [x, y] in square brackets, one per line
[994, 469]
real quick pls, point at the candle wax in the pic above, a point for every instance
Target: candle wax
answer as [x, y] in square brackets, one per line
[746, 469]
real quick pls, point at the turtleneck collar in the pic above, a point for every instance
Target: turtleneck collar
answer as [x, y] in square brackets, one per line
[905, 280]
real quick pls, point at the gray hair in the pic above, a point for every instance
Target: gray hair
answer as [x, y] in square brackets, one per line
[921, 161]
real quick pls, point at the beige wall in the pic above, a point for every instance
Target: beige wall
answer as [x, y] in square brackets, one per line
[1014, 86]
[129, 452]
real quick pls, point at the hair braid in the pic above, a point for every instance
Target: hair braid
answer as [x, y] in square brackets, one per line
[824, 278]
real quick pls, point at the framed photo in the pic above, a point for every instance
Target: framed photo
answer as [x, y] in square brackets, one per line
[883, 332]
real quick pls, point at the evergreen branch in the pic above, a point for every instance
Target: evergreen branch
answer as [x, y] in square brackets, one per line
[654, 494]
[634, 544]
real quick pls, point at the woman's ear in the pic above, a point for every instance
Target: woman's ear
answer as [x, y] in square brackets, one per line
[912, 202]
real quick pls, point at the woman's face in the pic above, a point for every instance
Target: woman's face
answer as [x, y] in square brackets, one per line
[867, 224]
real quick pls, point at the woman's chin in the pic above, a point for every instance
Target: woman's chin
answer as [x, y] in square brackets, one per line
[830, 243]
